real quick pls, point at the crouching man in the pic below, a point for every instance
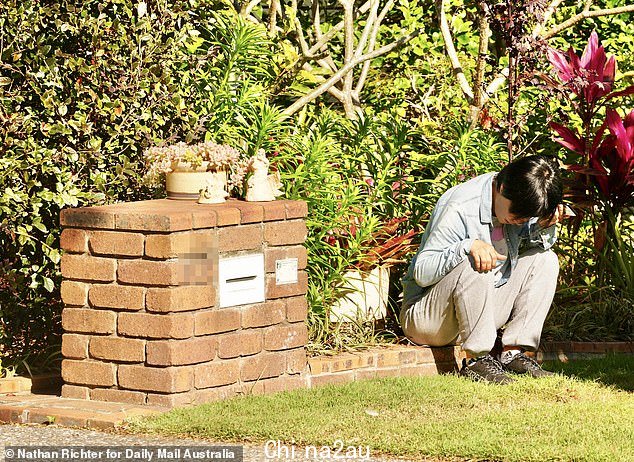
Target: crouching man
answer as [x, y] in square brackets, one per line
[484, 264]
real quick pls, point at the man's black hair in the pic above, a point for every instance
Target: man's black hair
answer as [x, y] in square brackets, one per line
[533, 186]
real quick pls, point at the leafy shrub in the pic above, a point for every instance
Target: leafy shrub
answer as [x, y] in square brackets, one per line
[360, 178]
[591, 305]
[85, 88]
[355, 177]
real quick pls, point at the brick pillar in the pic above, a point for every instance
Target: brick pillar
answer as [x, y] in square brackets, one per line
[142, 321]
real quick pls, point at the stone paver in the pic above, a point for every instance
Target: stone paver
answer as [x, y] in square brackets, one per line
[46, 409]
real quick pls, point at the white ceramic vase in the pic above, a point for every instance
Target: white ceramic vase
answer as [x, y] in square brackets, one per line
[365, 296]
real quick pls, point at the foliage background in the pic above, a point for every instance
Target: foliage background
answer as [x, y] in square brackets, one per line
[86, 86]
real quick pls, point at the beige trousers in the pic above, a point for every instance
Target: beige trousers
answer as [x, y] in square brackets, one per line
[465, 306]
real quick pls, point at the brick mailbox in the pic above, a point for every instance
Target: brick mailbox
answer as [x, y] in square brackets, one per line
[171, 303]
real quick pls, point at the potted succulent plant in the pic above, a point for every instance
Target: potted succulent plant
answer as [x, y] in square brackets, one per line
[189, 169]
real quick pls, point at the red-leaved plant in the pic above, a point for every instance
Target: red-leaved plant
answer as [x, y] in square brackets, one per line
[605, 163]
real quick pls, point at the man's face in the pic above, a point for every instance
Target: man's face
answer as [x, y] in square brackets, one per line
[501, 210]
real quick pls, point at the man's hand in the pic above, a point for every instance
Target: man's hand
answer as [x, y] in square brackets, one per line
[485, 257]
[559, 215]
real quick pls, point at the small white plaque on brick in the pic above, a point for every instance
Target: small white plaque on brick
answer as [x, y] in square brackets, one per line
[286, 271]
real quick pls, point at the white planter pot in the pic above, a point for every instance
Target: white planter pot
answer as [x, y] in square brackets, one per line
[365, 297]
[182, 185]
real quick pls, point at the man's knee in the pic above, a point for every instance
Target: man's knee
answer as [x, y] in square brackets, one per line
[548, 262]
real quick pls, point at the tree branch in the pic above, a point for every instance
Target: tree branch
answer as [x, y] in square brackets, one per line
[297, 105]
[334, 91]
[497, 83]
[302, 41]
[248, 7]
[483, 47]
[316, 19]
[312, 52]
[326, 63]
[373, 35]
[349, 55]
[326, 37]
[547, 15]
[585, 15]
[369, 25]
[451, 51]
[274, 9]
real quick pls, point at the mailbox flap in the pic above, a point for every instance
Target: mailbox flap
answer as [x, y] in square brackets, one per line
[241, 280]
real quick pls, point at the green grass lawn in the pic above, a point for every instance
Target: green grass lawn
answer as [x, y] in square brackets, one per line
[617, 370]
[560, 418]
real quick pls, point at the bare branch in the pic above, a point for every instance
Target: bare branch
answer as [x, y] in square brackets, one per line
[316, 19]
[584, 15]
[451, 51]
[302, 40]
[369, 26]
[322, 40]
[312, 52]
[274, 9]
[348, 25]
[248, 7]
[326, 38]
[334, 91]
[300, 103]
[381, 17]
[375, 32]
[483, 48]
[327, 63]
[349, 54]
[308, 53]
[497, 83]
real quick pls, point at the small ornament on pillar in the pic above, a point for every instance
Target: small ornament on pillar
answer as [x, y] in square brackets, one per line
[262, 187]
[214, 192]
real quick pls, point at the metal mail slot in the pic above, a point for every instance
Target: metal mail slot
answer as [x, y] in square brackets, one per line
[241, 280]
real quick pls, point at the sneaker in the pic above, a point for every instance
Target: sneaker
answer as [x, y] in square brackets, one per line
[522, 364]
[485, 369]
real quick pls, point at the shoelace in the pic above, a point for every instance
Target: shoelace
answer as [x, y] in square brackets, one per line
[492, 365]
[529, 362]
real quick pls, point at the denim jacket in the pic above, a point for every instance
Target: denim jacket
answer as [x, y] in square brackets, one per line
[462, 215]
